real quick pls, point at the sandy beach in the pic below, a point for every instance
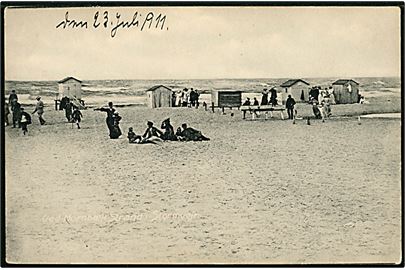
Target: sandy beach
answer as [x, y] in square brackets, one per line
[258, 192]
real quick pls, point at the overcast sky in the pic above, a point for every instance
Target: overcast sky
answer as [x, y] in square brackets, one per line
[230, 42]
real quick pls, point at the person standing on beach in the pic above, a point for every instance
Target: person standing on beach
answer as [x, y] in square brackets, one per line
[192, 98]
[174, 99]
[25, 121]
[265, 97]
[110, 116]
[186, 97]
[12, 99]
[6, 113]
[39, 109]
[116, 131]
[77, 117]
[197, 96]
[16, 114]
[273, 96]
[68, 110]
[289, 104]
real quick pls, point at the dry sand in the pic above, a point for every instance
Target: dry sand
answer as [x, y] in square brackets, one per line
[258, 192]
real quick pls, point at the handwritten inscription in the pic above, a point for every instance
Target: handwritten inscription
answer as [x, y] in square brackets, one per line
[116, 22]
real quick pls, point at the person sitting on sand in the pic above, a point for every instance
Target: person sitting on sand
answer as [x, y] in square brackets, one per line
[190, 134]
[151, 133]
[25, 121]
[255, 102]
[77, 117]
[247, 102]
[132, 137]
[169, 134]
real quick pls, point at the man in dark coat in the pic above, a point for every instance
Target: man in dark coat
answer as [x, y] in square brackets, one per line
[12, 99]
[289, 104]
[16, 114]
[68, 110]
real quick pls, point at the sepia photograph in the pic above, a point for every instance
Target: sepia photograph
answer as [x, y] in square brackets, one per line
[192, 133]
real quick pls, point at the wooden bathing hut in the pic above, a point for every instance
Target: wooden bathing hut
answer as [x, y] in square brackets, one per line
[297, 88]
[226, 99]
[159, 96]
[346, 91]
[72, 88]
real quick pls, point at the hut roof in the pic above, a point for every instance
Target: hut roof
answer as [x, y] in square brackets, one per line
[292, 82]
[344, 81]
[69, 78]
[158, 86]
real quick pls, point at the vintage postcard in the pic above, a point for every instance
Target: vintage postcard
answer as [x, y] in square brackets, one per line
[202, 134]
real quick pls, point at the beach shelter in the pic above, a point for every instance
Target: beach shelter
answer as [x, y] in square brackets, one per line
[70, 87]
[159, 96]
[346, 91]
[297, 88]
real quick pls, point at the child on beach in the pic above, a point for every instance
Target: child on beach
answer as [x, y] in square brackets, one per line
[77, 117]
[132, 137]
[24, 121]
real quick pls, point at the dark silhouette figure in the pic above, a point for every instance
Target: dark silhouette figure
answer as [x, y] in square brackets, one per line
[289, 104]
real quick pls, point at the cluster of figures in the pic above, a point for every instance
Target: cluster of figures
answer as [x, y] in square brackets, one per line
[151, 134]
[20, 118]
[185, 98]
[318, 94]
[72, 112]
[273, 101]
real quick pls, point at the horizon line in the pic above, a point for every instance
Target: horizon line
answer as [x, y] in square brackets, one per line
[240, 78]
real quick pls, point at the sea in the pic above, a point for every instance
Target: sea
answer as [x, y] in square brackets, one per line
[133, 92]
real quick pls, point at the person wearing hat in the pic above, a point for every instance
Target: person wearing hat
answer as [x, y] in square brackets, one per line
[25, 121]
[39, 109]
[110, 116]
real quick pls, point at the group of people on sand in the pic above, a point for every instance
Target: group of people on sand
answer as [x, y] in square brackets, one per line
[21, 118]
[186, 98]
[151, 134]
[154, 135]
[273, 101]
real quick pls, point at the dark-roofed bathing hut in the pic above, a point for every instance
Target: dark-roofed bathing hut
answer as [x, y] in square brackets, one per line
[297, 88]
[346, 91]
